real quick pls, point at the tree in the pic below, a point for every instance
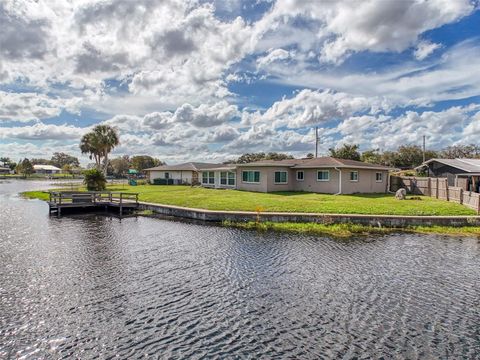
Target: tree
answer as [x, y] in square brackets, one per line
[94, 180]
[142, 162]
[410, 156]
[371, 157]
[60, 159]
[461, 151]
[349, 152]
[67, 169]
[5, 161]
[277, 156]
[24, 168]
[40, 161]
[251, 157]
[119, 166]
[98, 144]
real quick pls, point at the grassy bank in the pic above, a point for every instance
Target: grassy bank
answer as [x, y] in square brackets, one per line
[235, 200]
[347, 230]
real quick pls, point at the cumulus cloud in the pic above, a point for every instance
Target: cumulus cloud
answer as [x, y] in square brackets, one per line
[26, 107]
[202, 116]
[163, 73]
[223, 133]
[310, 107]
[344, 27]
[389, 132]
[24, 32]
[42, 131]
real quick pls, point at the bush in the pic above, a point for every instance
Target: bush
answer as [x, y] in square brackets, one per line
[94, 180]
[160, 181]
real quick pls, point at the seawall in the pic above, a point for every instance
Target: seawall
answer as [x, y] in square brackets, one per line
[369, 220]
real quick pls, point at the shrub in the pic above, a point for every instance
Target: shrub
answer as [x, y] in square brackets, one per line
[94, 180]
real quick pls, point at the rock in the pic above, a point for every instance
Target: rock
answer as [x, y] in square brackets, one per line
[401, 194]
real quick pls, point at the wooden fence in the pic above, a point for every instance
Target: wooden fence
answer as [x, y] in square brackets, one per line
[437, 188]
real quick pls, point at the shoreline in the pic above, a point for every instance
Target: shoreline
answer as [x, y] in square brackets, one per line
[350, 230]
[315, 224]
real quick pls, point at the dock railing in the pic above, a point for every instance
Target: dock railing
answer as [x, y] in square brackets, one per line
[71, 199]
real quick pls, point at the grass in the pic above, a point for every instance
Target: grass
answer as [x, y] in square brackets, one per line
[235, 200]
[41, 195]
[347, 230]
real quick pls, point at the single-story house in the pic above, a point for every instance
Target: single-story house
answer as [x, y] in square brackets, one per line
[322, 175]
[187, 173]
[4, 170]
[46, 169]
[459, 172]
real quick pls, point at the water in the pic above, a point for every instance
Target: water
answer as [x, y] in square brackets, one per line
[89, 286]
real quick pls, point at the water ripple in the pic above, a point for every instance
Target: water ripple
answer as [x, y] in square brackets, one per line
[99, 287]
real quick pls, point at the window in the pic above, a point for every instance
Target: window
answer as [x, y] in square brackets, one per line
[280, 177]
[300, 175]
[227, 178]
[231, 179]
[323, 175]
[353, 175]
[251, 176]
[167, 175]
[378, 177]
[208, 177]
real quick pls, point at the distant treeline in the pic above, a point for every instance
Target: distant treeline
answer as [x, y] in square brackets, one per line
[405, 157]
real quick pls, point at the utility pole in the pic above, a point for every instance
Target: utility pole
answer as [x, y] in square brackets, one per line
[423, 148]
[316, 141]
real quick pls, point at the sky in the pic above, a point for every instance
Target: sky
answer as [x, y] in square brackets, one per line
[208, 81]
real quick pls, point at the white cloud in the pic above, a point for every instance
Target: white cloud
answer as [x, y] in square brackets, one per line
[272, 56]
[26, 107]
[339, 28]
[455, 75]
[424, 49]
[310, 107]
[441, 128]
[42, 131]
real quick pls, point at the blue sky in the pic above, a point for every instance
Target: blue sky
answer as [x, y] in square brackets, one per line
[200, 80]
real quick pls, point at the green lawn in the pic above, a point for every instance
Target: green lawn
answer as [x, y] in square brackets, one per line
[198, 197]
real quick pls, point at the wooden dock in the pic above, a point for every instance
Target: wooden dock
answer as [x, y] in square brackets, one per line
[60, 200]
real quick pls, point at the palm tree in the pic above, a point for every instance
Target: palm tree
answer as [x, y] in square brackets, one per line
[98, 143]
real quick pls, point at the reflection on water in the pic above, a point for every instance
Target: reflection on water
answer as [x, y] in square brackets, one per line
[91, 285]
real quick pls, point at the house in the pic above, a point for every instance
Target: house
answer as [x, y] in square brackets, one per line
[4, 170]
[464, 173]
[322, 175]
[187, 173]
[46, 169]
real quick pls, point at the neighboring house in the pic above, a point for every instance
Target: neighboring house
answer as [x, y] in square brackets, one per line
[46, 169]
[322, 175]
[187, 173]
[4, 170]
[459, 172]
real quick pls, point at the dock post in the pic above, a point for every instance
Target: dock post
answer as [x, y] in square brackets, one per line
[121, 204]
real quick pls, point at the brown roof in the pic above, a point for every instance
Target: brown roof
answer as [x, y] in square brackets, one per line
[320, 162]
[190, 166]
[286, 162]
[329, 161]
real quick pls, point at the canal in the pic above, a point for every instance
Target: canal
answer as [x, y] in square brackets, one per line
[85, 286]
